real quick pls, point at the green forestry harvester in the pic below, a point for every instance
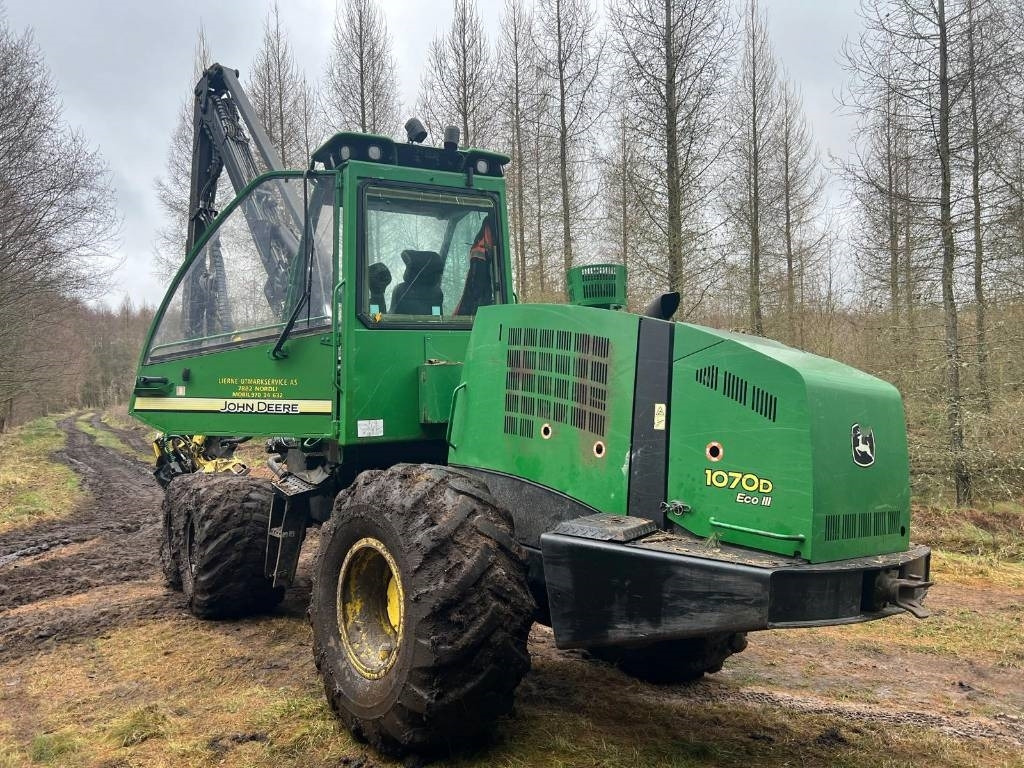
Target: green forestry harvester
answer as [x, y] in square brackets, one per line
[651, 490]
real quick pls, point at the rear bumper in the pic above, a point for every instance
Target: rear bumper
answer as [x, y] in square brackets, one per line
[664, 586]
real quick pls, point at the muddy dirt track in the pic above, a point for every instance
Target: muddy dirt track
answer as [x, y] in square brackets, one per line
[98, 567]
[109, 541]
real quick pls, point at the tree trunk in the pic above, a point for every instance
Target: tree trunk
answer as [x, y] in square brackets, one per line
[540, 212]
[624, 192]
[519, 206]
[563, 149]
[908, 268]
[979, 289]
[675, 216]
[954, 414]
[756, 317]
[892, 214]
[788, 234]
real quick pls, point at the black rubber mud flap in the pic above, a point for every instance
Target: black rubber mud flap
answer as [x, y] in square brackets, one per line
[648, 463]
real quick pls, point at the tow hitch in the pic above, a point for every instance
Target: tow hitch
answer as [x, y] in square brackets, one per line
[904, 592]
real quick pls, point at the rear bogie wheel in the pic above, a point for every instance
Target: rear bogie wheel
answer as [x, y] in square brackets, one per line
[675, 661]
[221, 547]
[420, 609]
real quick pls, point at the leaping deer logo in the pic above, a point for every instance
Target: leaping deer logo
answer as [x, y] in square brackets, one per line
[863, 446]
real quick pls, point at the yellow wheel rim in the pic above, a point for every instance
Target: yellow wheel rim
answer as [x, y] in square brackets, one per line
[370, 608]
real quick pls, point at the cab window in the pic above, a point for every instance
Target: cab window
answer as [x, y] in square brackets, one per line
[429, 256]
[245, 281]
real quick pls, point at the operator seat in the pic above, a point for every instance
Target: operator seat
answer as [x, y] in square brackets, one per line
[379, 279]
[420, 290]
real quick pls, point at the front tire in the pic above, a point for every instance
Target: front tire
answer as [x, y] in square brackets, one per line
[221, 547]
[675, 661]
[420, 609]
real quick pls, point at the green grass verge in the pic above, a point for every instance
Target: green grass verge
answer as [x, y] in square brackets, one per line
[33, 485]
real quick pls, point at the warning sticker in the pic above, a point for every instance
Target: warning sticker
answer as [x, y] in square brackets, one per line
[659, 415]
[370, 428]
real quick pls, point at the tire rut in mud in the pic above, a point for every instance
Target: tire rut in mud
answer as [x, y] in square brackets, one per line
[116, 530]
[1002, 728]
[560, 686]
[134, 438]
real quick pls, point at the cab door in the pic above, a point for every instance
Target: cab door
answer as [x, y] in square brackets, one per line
[243, 343]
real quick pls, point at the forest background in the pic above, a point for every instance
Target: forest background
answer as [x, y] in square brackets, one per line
[668, 136]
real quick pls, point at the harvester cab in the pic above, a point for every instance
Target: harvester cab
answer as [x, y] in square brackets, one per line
[653, 490]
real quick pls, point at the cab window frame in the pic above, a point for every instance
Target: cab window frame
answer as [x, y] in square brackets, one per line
[385, 323]
[272, 330]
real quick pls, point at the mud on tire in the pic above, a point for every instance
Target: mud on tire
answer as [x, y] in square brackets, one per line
[179, 498]
[219, 537]
[675, 661]
[465, 611]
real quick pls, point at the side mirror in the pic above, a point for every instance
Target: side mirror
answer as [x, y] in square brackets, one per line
[663, 306]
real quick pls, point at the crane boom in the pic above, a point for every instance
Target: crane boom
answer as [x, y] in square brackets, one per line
[225, 128]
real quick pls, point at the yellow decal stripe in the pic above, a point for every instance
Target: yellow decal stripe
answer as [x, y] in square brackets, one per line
[231, 405]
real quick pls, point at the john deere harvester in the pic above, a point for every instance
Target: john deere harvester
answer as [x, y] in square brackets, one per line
[652, 490]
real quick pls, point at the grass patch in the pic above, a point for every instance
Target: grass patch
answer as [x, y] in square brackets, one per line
[34, 486]
[117, 416]
[10, 755]
[586, 725]
[189, 694]
[977, 571]
[49, 748]
[138, 725]
[118, 419]
[965, 634]
[996, 529]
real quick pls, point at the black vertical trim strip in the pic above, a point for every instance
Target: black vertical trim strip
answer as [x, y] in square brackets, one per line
[648, 462]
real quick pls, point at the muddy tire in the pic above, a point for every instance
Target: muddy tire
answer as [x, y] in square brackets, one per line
[221, 546]
[420, 610]
[675, 661]
[179, 497]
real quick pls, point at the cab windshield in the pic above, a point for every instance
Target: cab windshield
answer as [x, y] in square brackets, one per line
[429, 256]
[252, 272]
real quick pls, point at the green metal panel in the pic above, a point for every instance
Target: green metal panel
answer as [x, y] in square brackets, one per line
[761, 449]
[547, 395]
[437, 384]
[382, 382]
[294, 395]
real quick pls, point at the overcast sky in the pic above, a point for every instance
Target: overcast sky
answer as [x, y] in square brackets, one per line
[123, 68]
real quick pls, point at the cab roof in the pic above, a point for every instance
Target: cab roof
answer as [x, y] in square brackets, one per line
[367, 147]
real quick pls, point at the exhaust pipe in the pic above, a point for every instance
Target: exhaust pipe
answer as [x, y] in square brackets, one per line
[663, 306]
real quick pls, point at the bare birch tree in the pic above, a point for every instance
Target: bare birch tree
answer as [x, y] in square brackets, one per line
[675, 57]
[571, 52]
[802, 192]
[515, 72]
[173, 188]
[361, 91]
[754, 112]
[457, 86]
[275, 88]
[904, 57]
